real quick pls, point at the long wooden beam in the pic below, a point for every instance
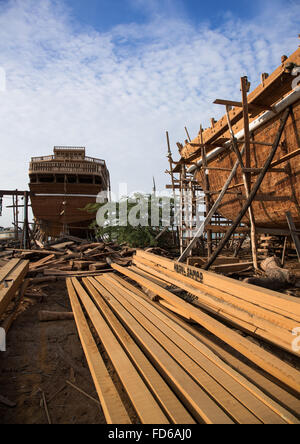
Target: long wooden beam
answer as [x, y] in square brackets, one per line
[143, 401]
[258, 310]
[11, 282]
[113, 408]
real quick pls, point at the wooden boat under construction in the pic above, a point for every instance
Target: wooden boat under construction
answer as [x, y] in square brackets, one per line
[280, 189]
[61, 186]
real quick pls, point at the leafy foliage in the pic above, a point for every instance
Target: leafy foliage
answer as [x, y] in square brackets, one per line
[140, 236]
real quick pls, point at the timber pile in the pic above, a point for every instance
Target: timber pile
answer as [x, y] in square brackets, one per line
[70, 258]
[171, 372]
[261, 312]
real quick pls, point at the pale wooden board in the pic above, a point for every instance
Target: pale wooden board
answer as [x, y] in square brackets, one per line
[14, 280]
[143, 401]
[167, 399]
[273, 365]
[113, 408]
[7, 268]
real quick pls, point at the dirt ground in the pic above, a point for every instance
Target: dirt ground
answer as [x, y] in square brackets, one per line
[42, 356]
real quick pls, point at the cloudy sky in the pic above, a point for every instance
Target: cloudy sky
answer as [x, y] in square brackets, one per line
[114, 75]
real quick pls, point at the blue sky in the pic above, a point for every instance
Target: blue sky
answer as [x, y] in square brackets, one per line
[114, 75]
[105, 14]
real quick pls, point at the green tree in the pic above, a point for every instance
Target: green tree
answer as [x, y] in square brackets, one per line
[143, 235]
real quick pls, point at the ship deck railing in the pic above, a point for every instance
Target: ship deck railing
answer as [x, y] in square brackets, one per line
[57, 159]
[67, 167]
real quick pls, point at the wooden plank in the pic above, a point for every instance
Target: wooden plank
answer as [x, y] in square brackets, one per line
[251, 293]
[207, 354]
[168, 401]
[270, 363]
[143, 401]
[158, 281]
[201, 291]
[46, 252]
[193, 397]
[12, 284]
[55, 272]
[286, 158]
[111, 403]
[232, 268]
[62, 246]
[41, 262]
[6, 269]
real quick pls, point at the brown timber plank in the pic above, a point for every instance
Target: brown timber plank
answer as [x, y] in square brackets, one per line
[13, 281]
[145, 405]
[111, 403]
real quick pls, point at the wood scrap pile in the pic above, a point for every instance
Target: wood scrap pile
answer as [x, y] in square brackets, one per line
[171, 372]
[70, 258]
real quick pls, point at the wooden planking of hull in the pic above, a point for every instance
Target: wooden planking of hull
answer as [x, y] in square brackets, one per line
[280, 190]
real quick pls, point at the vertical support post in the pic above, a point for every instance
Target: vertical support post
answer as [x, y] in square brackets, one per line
[206, 191]
[247, 189]
[284, 251]
[26, 238]
[17, 215]
[172, 178]
[244, 89]
[294, 234]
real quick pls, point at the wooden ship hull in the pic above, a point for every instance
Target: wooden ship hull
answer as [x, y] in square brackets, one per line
[280, 189]
[61, 186]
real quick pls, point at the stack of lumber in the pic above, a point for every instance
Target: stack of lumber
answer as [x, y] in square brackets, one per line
[12, 276]
[72, 258]
[270, 245]
[170, 373]
[260, 312]
[223, 264]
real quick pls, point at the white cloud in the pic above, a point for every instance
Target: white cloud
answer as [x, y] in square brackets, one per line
[118, 92]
